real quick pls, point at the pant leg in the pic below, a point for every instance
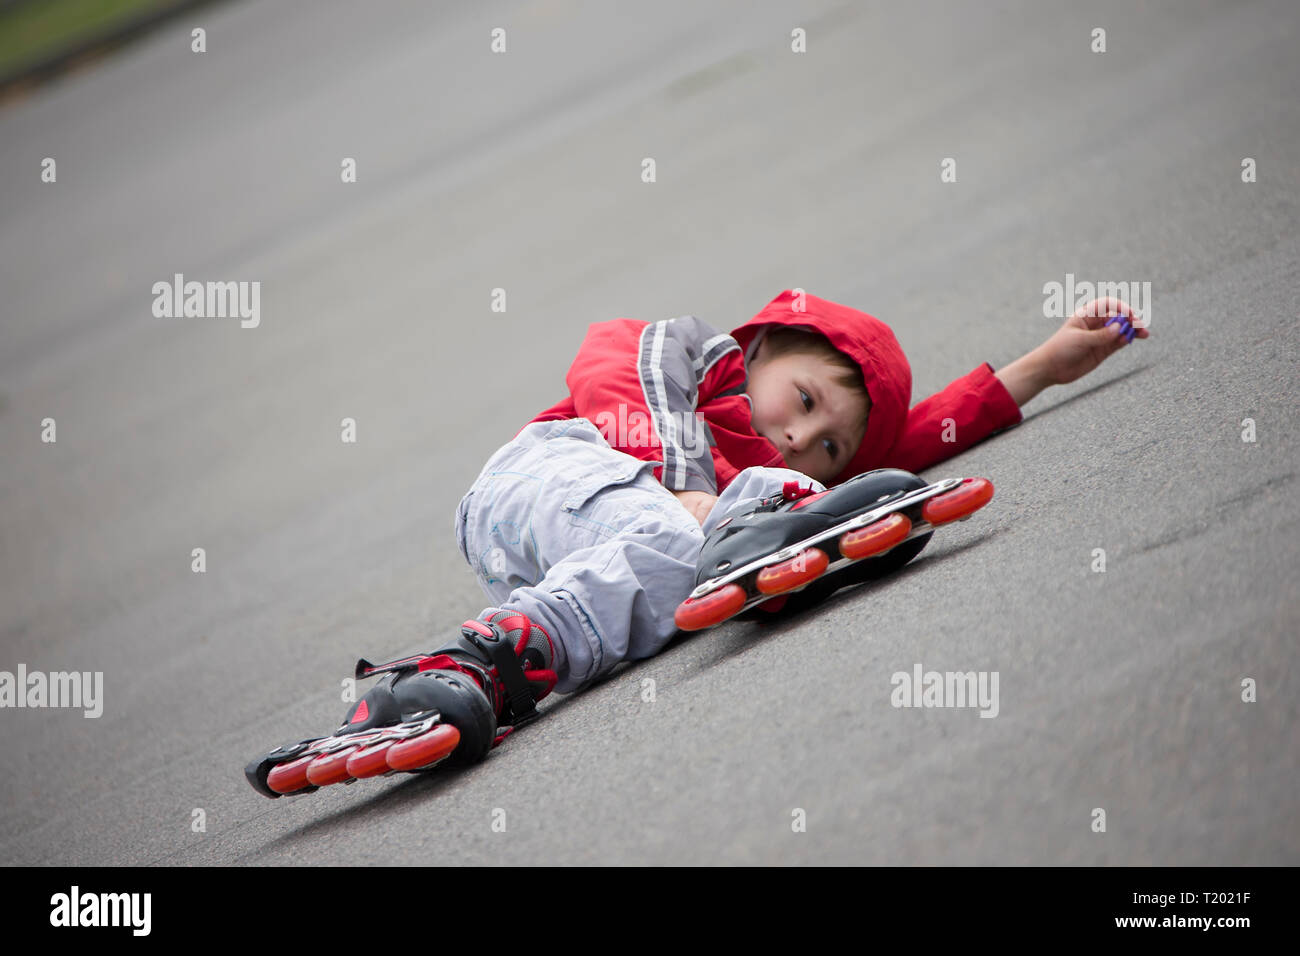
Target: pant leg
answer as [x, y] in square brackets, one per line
[584, 540]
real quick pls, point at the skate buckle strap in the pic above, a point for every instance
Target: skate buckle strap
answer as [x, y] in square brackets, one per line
[366, 669]
[519, 694]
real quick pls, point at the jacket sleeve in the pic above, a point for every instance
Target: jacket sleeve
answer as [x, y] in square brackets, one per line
[639, 383]
[947, 423]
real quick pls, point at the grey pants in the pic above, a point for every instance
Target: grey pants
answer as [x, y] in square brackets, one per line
[583, 539]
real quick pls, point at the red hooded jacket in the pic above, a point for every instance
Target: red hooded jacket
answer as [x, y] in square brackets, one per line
[674, 392]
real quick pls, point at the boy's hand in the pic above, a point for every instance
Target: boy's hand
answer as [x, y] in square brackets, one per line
[1085, 340]
[698, 503]
[1075, 349]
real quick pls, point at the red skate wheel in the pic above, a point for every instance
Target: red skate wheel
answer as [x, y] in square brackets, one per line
[369, 761]
[695, 614]
[809, 564]
[424, 750]
[330, 768]
[876, 538]
[290, 777]
[967, 498]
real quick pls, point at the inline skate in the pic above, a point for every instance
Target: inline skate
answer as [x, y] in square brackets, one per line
[454, 704]
[870, 525]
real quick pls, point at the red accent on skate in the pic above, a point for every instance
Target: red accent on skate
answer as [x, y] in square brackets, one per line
[512, 622]
[440, 662]
[967, 498]
[543, 682]
[808, 565]
[444, 662]
[425, 750]
[695, 614]
[792, 490]
[362, 713]
[809, 500]
[393, 664]
[876, 538]
[516, 621]
[478, 626]
[775, 604]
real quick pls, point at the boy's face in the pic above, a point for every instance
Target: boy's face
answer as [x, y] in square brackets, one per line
[810, 418]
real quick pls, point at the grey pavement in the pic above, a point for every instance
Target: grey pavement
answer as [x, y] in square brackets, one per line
[1119, 690]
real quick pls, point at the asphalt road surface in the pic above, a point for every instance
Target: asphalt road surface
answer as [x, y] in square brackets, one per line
[1120, 690]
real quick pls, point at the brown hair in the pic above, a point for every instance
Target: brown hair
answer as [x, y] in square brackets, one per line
[784, 340]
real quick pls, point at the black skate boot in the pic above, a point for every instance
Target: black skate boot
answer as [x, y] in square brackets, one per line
[453, 704]
[760, 556]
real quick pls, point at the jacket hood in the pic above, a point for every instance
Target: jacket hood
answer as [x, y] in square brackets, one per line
[872, 346]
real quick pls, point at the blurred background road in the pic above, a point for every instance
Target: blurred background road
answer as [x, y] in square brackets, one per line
[1118, 690]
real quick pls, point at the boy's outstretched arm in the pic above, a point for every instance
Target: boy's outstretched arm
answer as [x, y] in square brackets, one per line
[987, 401]
[1085, 341]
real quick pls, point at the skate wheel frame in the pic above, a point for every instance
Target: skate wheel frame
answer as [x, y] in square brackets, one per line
[908, 500]
[867, 535]
[350, 756]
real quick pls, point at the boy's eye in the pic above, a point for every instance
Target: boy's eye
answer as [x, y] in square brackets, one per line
[827, 443]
